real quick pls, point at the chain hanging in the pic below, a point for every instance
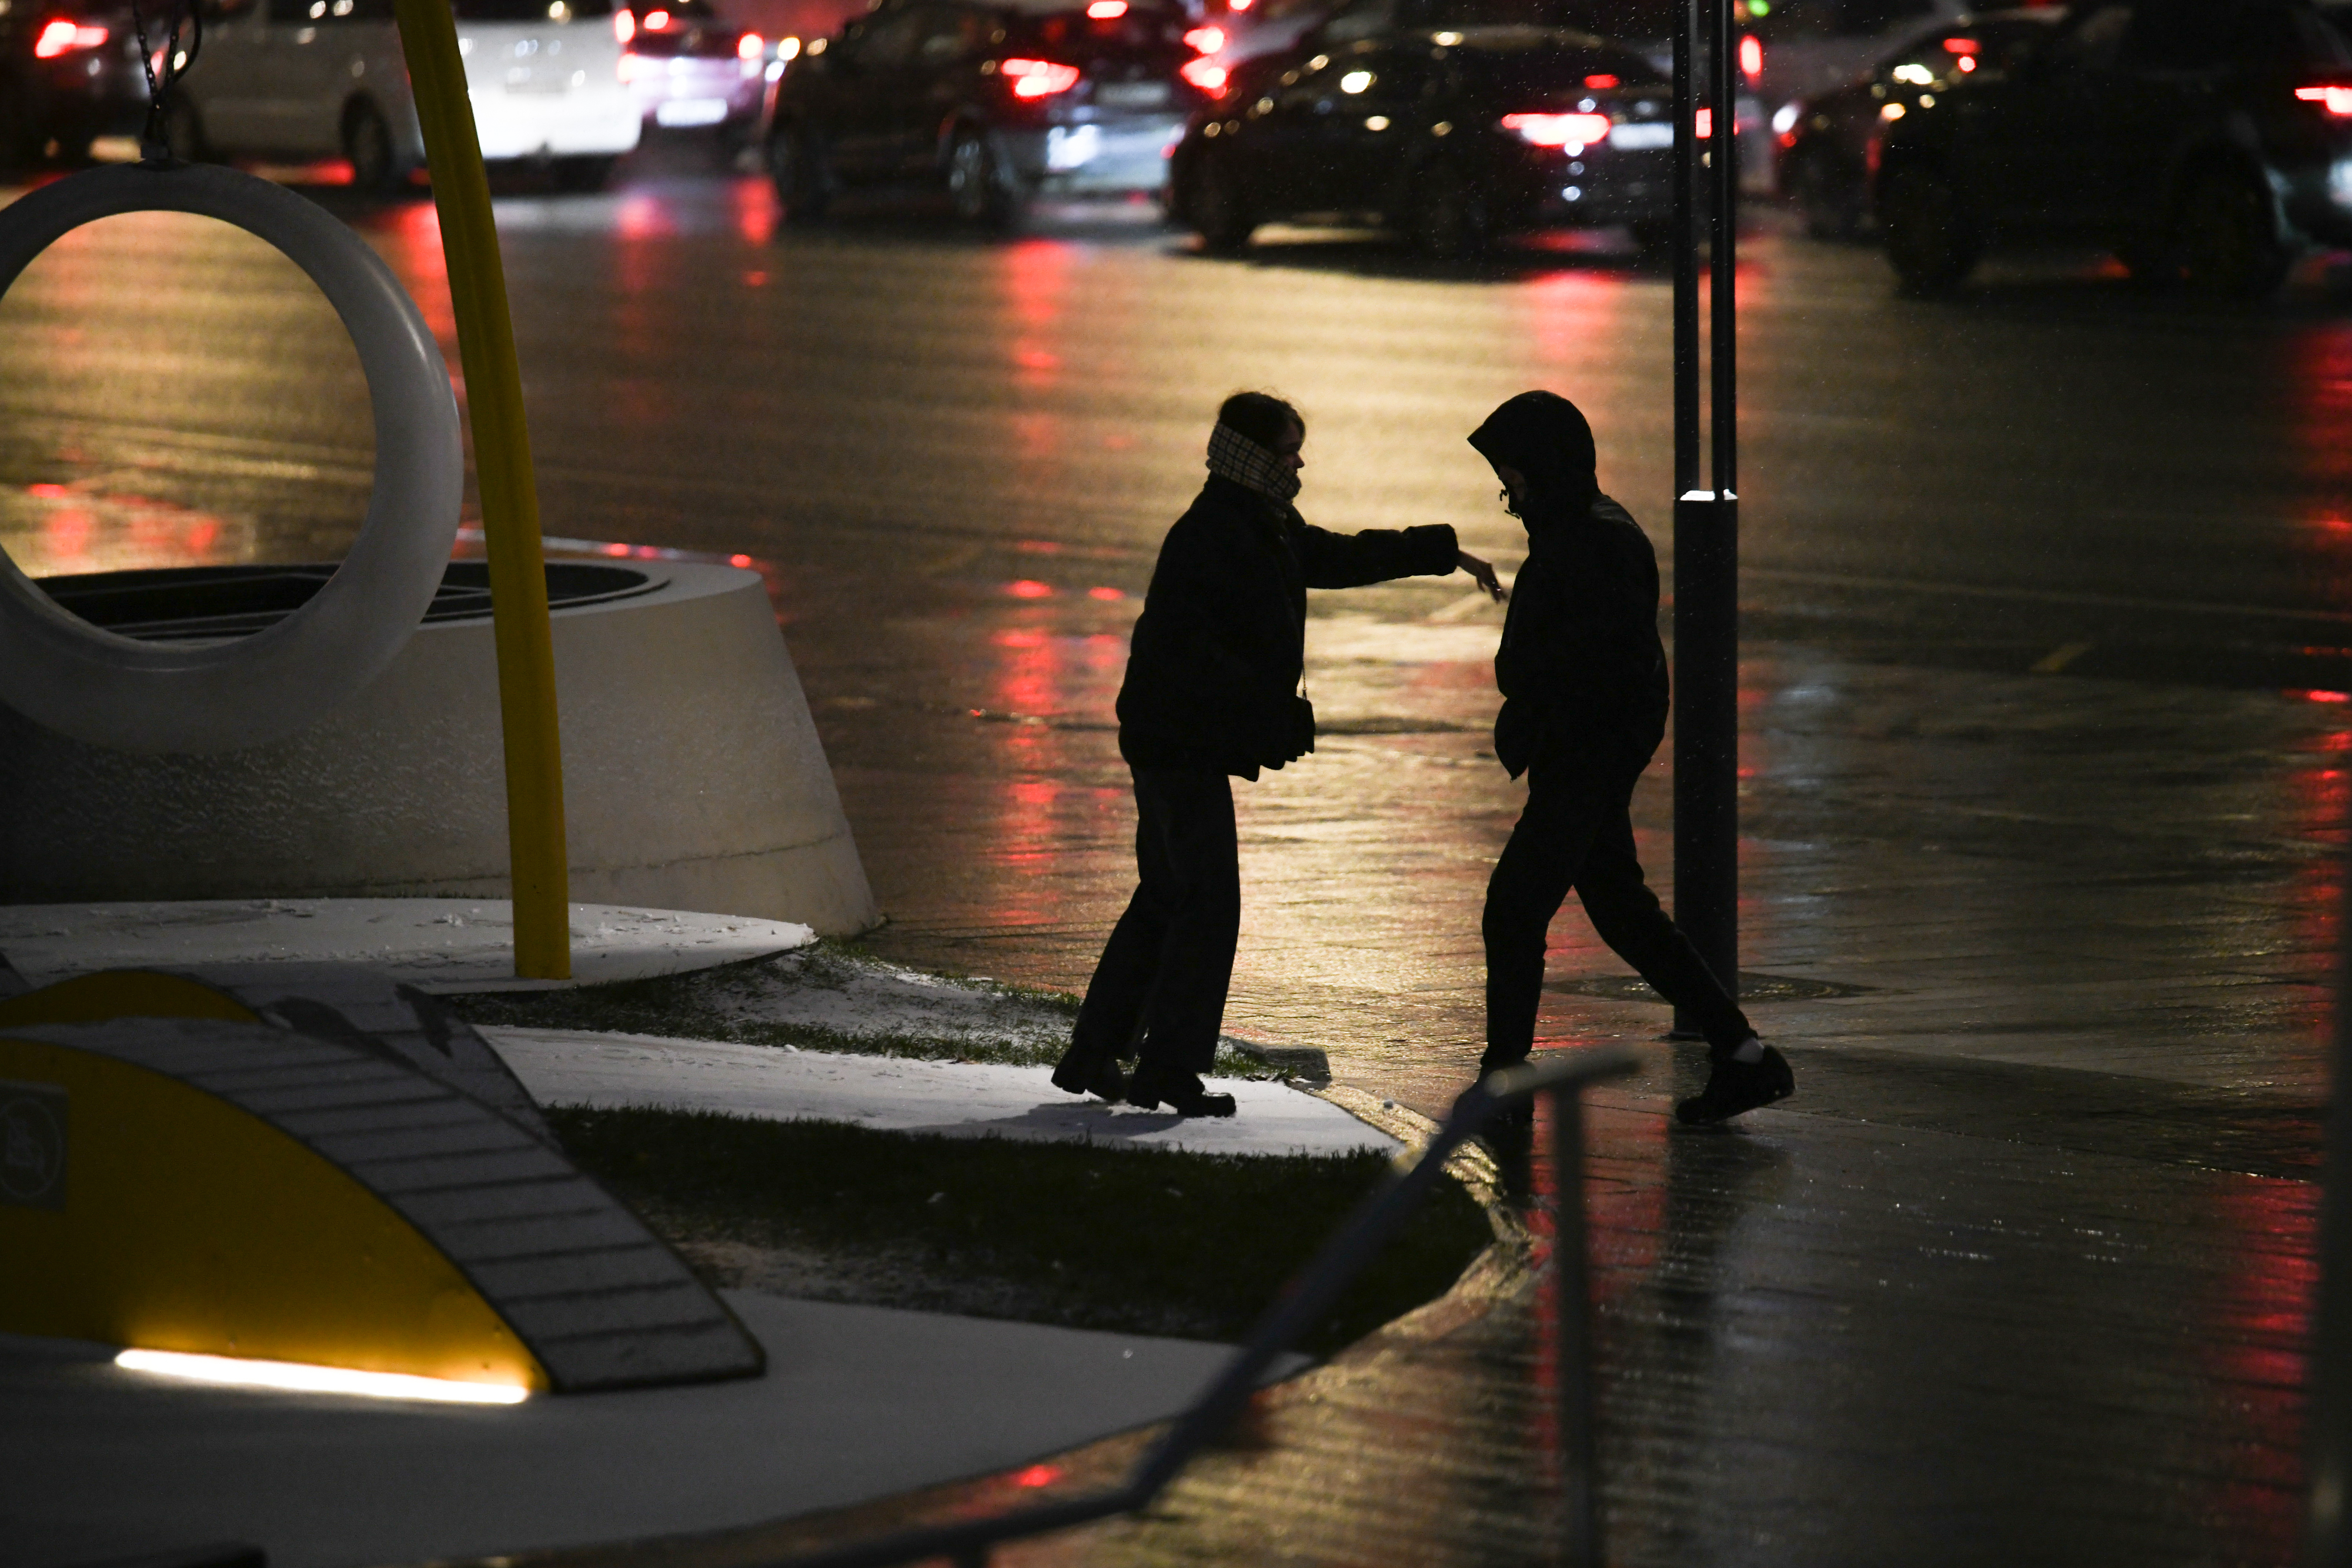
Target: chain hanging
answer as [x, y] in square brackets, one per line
[163, 67]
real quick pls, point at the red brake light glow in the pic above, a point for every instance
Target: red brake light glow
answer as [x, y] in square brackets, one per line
[1705, 123]
[1967, 63]
[1205, 74]
[1237, 6]
[1959, 46]
[1038, 78]
[750, 47]
[1752, 56]
[657, 21]
[1107, 10]
[2337, 100]
[60, 36]
[1600, 83]
[1558, 129]
[1207, 40]
[624, 24]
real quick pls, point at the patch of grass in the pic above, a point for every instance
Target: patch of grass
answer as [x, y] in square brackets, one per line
[829, 997]
[1136, 1241]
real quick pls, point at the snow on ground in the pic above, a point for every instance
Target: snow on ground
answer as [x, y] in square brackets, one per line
[828, 999]
[958, 1099]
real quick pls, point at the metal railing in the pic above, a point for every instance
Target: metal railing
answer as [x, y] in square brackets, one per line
[1563, 1076]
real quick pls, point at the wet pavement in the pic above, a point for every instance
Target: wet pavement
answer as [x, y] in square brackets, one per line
[2048, 633]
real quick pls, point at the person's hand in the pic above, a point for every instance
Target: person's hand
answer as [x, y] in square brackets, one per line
[1483, 571]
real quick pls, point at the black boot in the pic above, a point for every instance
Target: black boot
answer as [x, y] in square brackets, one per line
[1733, 1087]
[1084, 1070]
[1183, 1094]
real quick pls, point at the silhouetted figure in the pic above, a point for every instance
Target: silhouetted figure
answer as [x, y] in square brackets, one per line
[1583, 676]
[1212, 691]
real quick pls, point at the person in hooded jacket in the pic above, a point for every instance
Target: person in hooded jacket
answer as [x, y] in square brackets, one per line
[1583, 678]
[1211, 694]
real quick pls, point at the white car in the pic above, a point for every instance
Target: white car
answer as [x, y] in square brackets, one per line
[319, 79]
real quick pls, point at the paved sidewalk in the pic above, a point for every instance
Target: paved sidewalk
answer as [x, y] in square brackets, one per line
[2021, 1275]
[952, 1098]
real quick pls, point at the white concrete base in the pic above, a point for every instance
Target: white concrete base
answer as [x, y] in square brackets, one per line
[693, 779]
[434, 943]
[858, 1402]
[954, 1099]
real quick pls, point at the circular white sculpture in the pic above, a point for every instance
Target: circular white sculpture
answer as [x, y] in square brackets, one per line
[112, 691]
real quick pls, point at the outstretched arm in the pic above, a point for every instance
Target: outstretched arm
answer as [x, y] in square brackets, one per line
[1483, 571]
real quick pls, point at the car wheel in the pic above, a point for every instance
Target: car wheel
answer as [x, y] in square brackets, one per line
[1218, 211]
[183, 133]
[376, 168]
[1930, 241]
[980, 188]
[2230, 239]
[1449, 219]
[583, 174]
[803, 185]
[1830, 195]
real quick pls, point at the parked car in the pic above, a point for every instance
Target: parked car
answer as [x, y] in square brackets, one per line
[998, 103]
[1455, 136]
[315, 79]
[687, 68]
[2193, 140]
[1828, 143]
[69, 74]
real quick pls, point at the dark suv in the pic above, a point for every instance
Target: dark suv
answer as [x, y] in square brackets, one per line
[69, 74]
[999, 102]
[2196, 139]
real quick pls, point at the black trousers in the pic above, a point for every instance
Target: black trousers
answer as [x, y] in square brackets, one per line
[1576, 832]
[1161, 983]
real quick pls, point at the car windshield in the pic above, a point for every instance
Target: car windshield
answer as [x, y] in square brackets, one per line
[1531, 73]
[529, 10]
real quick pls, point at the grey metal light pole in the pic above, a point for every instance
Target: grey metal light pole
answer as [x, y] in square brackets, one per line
[2327, 1538]
[1707, 519]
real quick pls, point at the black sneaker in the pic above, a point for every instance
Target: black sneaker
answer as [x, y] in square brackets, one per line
[1182, 1093]
[1084, 1071]
[1733, 1087]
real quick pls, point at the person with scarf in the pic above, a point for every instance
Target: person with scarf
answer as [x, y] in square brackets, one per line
[1583, 678]
[1211, 693]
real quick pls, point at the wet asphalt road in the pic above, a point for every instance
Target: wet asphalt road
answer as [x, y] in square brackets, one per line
[2048, 594]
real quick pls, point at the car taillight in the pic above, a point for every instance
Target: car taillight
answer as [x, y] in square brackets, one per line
[1752, 56]
[2337, 100]
[657, 21]
[1705, 123]
[1038, 78]
[59, 36]
[625, 25]
[1602, 83]
[1558, 129]
[750, 47]
[1105, 10]
[1205, 74]
[1959, 46]
[1207, 40]
[625, 67]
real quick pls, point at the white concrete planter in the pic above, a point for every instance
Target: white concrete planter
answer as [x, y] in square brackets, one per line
[693, 779]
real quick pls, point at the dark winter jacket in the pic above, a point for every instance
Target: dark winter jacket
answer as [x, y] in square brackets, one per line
[1213, 674]
[1581, 668]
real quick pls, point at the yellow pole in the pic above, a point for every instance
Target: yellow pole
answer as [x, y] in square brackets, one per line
[477, 289]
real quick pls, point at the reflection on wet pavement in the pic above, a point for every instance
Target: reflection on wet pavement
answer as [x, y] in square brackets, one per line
[2021, 1274]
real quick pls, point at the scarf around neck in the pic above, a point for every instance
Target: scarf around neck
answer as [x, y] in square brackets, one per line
[1234, 457]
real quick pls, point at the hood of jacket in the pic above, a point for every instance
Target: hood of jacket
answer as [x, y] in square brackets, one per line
[1545, 438]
